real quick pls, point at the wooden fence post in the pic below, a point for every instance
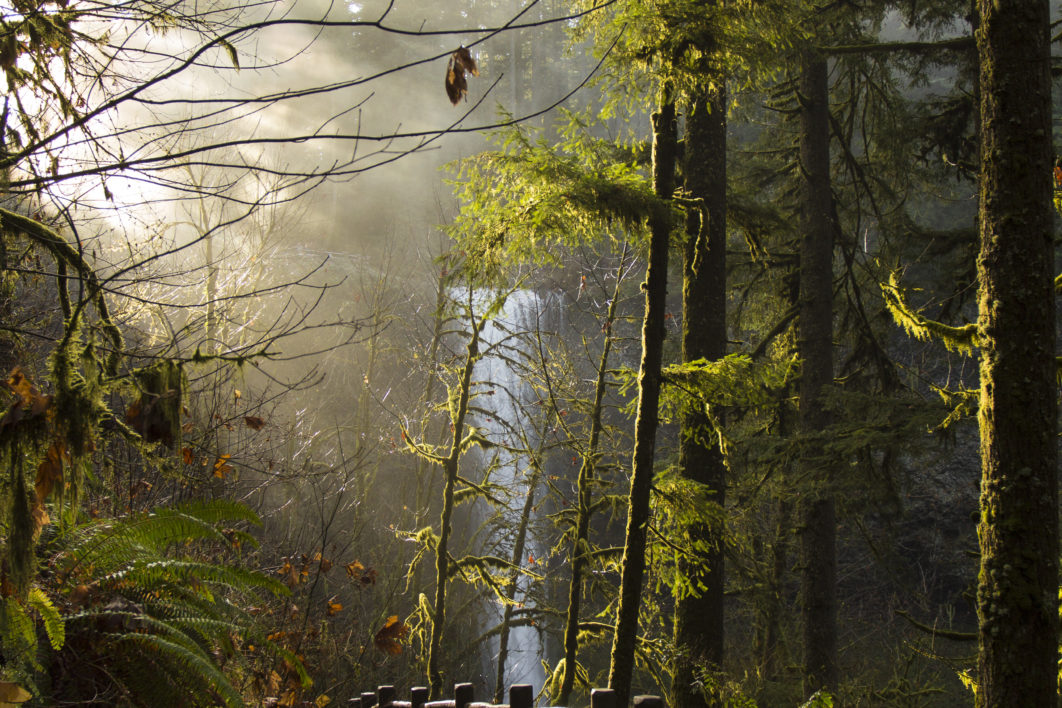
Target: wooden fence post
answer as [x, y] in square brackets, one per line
[603, 698]
[418, 696]
[368, 700]
[464, 693]
[648, 702]
[385, 695]
[521, 695]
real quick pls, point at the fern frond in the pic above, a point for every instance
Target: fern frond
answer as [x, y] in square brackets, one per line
[183, 661]
[198, 575]
[54, 626]
[113, 545]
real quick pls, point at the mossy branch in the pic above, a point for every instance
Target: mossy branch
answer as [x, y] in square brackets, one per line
[936, 632]
[956, 339]
[66, 256]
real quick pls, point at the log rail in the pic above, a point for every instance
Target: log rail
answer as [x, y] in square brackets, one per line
[520, 696]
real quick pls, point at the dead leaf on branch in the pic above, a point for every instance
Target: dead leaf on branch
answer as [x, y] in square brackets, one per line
[221, 466]
[389, 638]
[461, 62]
[254, 422]
[50, 471]
[29, 402]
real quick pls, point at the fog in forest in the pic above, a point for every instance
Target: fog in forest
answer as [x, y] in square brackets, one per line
[679, 349]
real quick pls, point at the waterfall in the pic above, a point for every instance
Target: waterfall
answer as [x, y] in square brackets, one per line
[508, 343]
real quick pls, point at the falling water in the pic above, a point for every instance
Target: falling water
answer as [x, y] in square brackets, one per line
[509, 342]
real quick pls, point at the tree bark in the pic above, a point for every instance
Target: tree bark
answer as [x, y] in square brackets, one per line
[665, 139]
[1017, 594]
[580, 552]
[451, 467]
[699, 616]
[815, 349]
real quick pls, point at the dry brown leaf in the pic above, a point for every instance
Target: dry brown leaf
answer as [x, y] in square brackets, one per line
[289, 574]
[50, 471]
[254, 422]
[29, 401]
[13, 693]
[389, 638]
[461, 61]
[40, 519]
[221, 468]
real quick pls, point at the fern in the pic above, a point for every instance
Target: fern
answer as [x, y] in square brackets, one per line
[54, 626]
[155, 614]
[182, 662]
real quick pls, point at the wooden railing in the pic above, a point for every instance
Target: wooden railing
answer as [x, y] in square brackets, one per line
[520, 696]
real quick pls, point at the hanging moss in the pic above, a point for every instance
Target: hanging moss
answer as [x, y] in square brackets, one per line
[157, 413]
[20, 541]
[78, 401]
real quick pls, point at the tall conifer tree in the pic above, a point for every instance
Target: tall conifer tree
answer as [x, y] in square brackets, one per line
[665, 150]
[1017, 595]
[815, 349]
[699, 616]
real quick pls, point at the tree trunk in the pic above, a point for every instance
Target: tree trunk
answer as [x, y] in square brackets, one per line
[665, 138]
[451, 467]
[516, 558]
[815, 349]
[580, 553]
[1017, 593]
[699, 617]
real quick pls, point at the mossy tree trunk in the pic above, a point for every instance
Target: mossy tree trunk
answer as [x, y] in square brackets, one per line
[515, 558]
[581, 549]
[665, 140]
[1017, 594]
[451, 467]
[699, 605]
[815, 349]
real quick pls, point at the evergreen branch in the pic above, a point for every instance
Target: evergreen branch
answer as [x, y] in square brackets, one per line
[779, 328]
[947, 45]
